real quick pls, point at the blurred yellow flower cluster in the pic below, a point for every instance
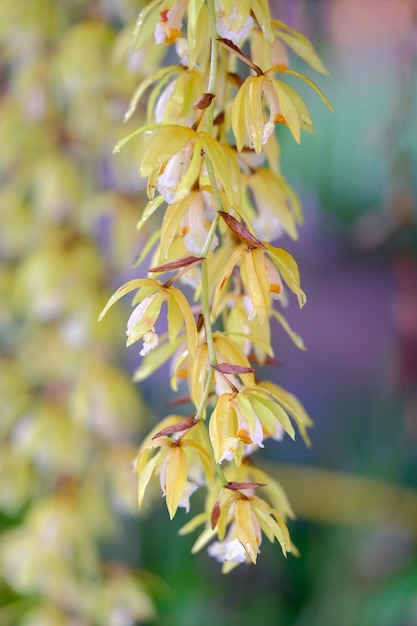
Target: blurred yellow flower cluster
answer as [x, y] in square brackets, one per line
[68, 413]
[210, 154]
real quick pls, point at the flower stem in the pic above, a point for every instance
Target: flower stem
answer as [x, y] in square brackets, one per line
[205, 294]
[212, 83]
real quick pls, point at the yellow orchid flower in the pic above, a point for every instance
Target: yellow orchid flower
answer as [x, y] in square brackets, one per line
[278, 209]
[284, 104]
[180, 462]
[150, 295]
[174, 157]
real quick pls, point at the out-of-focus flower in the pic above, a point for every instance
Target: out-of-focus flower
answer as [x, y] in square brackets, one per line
[234, 21]
[172, 97]
[168, 28]
[228, 550]
[278, 208]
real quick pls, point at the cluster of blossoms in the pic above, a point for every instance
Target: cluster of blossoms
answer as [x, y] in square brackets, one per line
[211, 159]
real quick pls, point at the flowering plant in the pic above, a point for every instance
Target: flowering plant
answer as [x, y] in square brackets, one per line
[211, 158]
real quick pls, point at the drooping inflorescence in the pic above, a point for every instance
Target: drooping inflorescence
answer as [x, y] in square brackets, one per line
[211, 159]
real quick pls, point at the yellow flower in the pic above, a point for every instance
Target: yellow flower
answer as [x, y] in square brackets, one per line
[172, 97]
[238, 517]
[284, 104]
[261, 277]
[234, 20]
[150, 295]
[248, 118]
[278, 208]
[174, 157]
[227, 351]
[190, 218]
[245, 417]
[181, 462]
[168, 28]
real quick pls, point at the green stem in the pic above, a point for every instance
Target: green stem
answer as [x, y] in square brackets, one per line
[212, 83]
[205, 295]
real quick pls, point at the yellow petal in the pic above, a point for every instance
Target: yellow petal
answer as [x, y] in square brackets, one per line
[288, 269]
[257, 283]
[222, 279]
[272, 525]
[254, 116]
[228, 351]
[306, 123]
[222, 424]
[265, 405]
[146, 474]
[238, 115]
[145, 25]
[171, 222]
[296, 338]
[175, 319]
[215, 152]
[284, 70]
[147, 320]
[164, 72]
[176, 478]
[198, 373]
[187, 181]
[288, 110]
[164, 142]
[157, 357]
[245, 529]
[126, 288]
[188, 318]
[260, 9]
[300, 45]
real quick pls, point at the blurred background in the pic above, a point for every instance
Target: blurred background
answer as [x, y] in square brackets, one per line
[73, 549]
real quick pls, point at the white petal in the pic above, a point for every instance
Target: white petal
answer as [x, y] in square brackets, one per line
[188, 491]
[138, 313]
[150, 341]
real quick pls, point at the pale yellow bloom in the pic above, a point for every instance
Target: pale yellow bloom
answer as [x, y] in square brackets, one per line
[168, 28]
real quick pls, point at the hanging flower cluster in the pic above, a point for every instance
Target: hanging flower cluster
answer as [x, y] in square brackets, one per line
[211, 159]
